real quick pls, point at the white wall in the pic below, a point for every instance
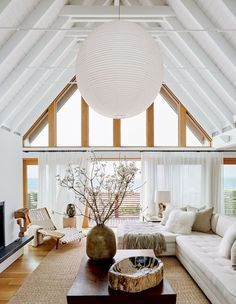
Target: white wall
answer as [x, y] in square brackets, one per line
[10, 180]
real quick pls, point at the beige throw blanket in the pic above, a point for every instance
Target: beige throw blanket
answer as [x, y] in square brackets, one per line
[38, 238]
[155, 241]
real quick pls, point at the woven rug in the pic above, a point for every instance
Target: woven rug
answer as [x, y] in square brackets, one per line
[49, 283]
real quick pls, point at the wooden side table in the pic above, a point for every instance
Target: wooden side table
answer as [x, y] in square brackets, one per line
[69, 222]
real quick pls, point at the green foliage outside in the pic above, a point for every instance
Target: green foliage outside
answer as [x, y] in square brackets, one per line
[32, 200]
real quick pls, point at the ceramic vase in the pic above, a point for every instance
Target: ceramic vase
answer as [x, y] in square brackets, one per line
[101, 243]
[70, 210]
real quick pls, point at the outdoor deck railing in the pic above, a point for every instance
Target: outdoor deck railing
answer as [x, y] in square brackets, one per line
[130, 206]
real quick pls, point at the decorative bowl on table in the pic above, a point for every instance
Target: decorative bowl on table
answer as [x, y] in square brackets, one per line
[135, 274]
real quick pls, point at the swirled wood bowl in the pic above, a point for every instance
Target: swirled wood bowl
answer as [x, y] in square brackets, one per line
[135, 274]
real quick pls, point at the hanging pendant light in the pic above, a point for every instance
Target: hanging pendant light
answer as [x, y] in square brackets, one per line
[119, 69]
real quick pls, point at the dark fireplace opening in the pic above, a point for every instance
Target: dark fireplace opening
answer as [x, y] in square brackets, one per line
[2, 225]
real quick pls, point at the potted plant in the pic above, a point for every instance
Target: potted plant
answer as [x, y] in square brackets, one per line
[89, 187]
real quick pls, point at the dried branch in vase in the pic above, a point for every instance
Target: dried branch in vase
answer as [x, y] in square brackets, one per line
[90, 186]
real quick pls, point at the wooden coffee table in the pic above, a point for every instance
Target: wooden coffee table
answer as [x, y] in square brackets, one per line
[91, 284]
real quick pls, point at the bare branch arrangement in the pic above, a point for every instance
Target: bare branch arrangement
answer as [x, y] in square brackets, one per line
[90, 186]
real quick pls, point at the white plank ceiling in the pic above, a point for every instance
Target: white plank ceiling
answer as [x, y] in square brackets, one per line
[40, 39]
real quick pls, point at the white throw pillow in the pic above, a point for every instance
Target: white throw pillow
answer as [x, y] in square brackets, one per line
[195, 209]
[169, 208]
[227, 242]
[180, 222]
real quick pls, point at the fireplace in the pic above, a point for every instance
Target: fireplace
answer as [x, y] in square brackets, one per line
[2, 225]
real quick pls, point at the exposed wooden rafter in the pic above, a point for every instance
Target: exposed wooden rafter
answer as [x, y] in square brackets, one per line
[188, 44]
[37, 81]
[96, 13]
[207, 94]
[43, 97]
[36, 57]
[202, 21]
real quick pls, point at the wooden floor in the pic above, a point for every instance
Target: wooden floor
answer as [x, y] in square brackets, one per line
[13, 277]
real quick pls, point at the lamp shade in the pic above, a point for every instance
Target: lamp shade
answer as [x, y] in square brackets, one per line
[119, 69]
[162, 197]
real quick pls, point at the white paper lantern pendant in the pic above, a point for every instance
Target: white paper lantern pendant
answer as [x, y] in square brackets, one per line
[119, 69]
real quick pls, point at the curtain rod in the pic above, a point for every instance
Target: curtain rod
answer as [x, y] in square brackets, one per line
[125, 150]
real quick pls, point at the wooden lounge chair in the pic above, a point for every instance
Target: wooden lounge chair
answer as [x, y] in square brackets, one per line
[45, 226]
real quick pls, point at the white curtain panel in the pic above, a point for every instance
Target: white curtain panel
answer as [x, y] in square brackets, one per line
[193, 178]
[51, 194]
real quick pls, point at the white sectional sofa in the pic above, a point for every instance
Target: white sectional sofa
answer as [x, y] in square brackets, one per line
[198, 252]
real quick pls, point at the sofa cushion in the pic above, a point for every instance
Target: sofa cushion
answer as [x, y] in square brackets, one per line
[194, 209]
[202, 221]
[227, 242]
[168, 210]
[214, 220]
[180, 222]
[201, 250]
[223, 223]
[233, 255]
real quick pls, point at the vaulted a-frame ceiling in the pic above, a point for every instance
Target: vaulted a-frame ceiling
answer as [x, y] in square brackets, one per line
[40, 40]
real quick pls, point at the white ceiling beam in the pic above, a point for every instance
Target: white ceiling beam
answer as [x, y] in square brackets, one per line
[84, 33]
[202, 21]
[207, 94]
[112, 12]
[190, 90]
[231, 6]
[130, 2]
[188, 102]
[156, 29]
[18, 39]
[225, 140]
[192, 47]
[47, 93]
[17, 105]
[108, 19]
[34, 57]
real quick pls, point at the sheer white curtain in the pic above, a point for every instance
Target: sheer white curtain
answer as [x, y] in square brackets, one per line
[193, 178]
[51, 195]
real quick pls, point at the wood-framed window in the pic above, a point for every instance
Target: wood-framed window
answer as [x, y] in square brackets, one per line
[68, 121]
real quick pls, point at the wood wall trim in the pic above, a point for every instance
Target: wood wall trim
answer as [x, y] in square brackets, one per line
[199, 128]
[52, 125]
[150, 126]
[25, 184]
[84, 123]
[169, 97]
[229, 161]
[181, 125]
[36, 125]
[116, 132]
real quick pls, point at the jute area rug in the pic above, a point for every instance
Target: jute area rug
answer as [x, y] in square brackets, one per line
[49, 283]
